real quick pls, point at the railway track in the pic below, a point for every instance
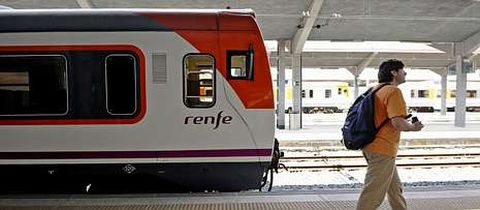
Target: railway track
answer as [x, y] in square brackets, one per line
[403, 160]
[402, 147]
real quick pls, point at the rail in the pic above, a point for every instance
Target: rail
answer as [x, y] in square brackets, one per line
[405, 160]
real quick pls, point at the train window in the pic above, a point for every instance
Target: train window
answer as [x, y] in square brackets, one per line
[423, 94]
[303, 93]
[453, 94]
[311, 93]
[199, 81]
[339, 91]
[120, 83]
[412, 93]
[239, 64]
[471, 93]
[328, 93]
[33, 85]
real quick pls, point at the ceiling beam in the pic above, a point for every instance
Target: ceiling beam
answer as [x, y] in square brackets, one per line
[474, 57]
[447, 47]
[306, 26]
[470, 44]
[85, 4]
[365, 63]
[356, 60]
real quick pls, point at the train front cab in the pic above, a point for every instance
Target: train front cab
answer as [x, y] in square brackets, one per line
[242, 95]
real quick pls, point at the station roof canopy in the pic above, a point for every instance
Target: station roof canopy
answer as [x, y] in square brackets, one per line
[436, 22]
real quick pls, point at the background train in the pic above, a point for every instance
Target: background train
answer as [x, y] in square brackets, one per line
[179, 100]
[336, 96]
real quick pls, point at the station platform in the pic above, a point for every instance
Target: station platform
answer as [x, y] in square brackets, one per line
[319, 137]
[318, 132]
[325, 199]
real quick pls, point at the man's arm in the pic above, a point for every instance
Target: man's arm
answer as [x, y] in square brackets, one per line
[402, 124]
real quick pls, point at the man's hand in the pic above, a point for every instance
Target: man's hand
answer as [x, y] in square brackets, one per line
[417, 126]
[402, 124]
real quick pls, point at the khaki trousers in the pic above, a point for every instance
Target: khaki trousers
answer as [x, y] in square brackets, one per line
[381, 178]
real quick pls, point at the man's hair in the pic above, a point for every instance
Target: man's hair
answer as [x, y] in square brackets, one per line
[386, 67]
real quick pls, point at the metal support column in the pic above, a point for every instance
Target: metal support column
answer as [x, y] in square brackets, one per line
[296, 115]
[356, 71]
[356, 74]
[443, 99]
[460, 92]
[281, 85]
[355, 86]
[443, 72]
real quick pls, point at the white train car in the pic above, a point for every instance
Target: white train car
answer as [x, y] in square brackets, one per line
[180, 96]
[426, 96]
[472, 102]
[420, 96]
[327, 97]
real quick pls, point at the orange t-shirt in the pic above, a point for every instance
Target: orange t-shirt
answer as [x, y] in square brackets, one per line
[389, 103]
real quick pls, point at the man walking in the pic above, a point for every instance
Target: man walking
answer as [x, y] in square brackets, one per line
[382, 176]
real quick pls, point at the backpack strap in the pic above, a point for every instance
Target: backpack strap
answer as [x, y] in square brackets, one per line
[386, 120]
[371, 90]
[381, 86]
[383, 123]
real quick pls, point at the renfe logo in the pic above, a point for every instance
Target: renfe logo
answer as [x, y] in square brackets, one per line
[204, 120]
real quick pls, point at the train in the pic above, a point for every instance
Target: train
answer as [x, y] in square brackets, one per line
[425, 96]
[92, 99]
[420, 96]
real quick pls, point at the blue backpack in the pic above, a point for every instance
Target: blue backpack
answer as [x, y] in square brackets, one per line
[359, 128]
